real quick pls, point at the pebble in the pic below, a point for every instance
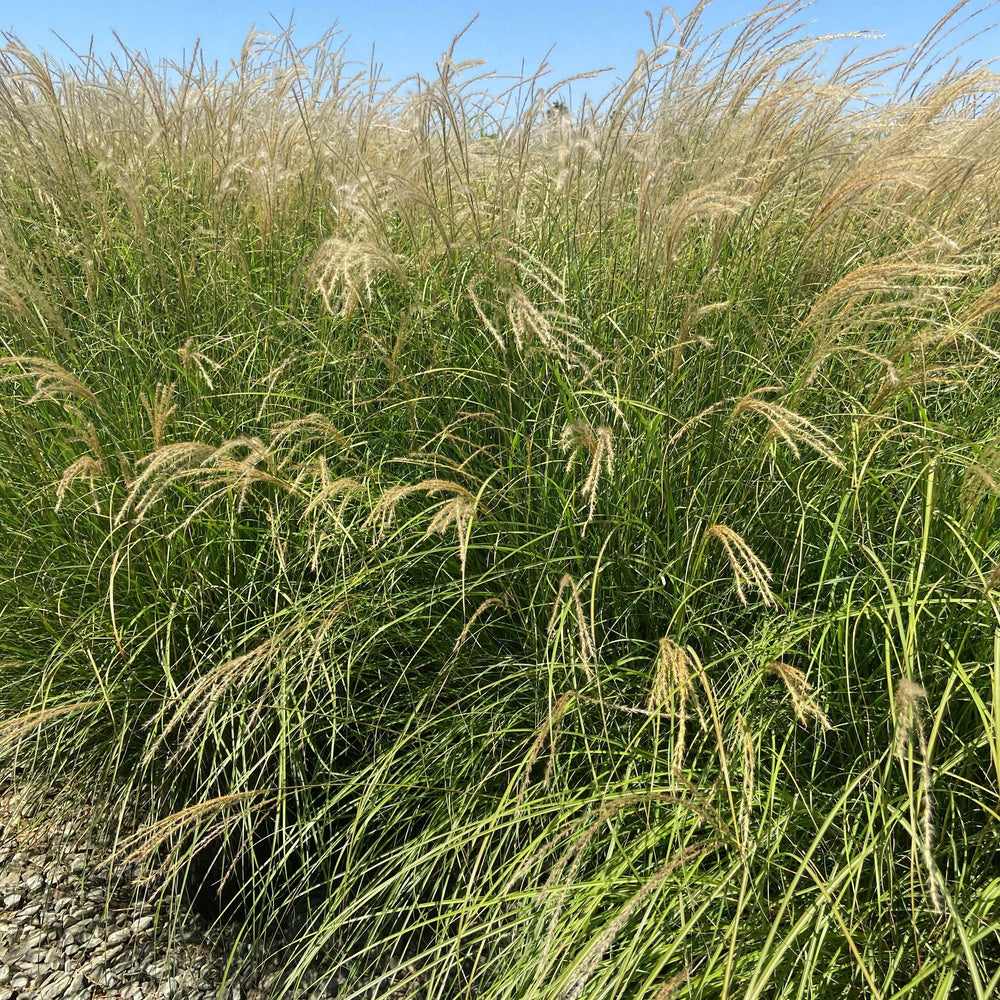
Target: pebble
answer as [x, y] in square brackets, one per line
[94, 938]
[55, 987]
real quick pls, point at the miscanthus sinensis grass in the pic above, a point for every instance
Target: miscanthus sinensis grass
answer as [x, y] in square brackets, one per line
[518, 554]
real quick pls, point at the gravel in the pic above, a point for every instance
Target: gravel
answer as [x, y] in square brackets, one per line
[70, 930]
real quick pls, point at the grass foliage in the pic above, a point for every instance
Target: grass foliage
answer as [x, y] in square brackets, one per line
[513, 554]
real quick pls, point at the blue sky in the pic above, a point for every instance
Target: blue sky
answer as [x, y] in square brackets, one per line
[409, 37]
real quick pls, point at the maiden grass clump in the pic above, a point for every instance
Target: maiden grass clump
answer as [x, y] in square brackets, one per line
[505, 554]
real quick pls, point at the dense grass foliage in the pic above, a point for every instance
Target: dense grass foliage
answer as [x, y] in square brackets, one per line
[523, 555]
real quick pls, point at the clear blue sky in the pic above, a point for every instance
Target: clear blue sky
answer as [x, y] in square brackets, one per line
[409, 37]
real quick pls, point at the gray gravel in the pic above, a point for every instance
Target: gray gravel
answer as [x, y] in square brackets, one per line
[69, 930]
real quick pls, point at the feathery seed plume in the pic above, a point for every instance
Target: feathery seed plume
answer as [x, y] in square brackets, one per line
[799, 690]
[585, 634]
[909, 697]
[746, 565]
[672, 690]
[581, 439]
[159, 408]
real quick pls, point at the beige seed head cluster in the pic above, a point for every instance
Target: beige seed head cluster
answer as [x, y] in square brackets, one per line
[747, 567]
[159, 408]
[790, 427]
[85, 467]
[548, 733]
[596, 445]
[673, 692]
[149, 840]
[312, 427]
[749, 784]
[159, 468]
[343, 488]
[909, 695]
[91, 467]
[232, 467]
[908, 702]
[584, 628]
[800, 691]
[52, 380]
[490, 602]
[235, 466]
[194, 360]
[344, 272]
[547, 330]
[460, 510]
[982, 476]
[385, 508]
[14, 729]
[591, 957]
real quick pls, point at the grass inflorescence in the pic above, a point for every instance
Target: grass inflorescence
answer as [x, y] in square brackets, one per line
[515, 553]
